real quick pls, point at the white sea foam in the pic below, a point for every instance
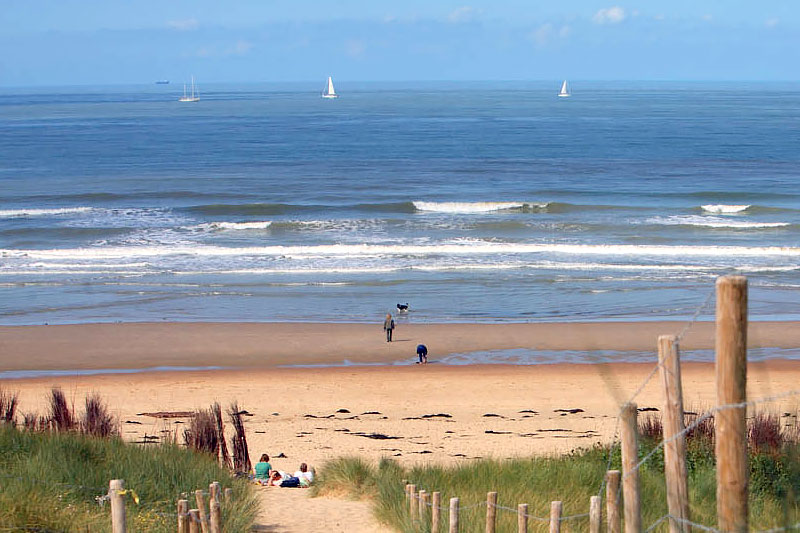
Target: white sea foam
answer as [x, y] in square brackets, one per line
[235, 225]
[467, 207]
[714, 222]
[459, 248]
[14, 213]
[725, 209]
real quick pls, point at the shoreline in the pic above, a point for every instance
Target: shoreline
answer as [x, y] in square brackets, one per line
[266, 345]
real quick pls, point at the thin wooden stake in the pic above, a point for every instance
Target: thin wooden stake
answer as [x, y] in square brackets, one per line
[423, 495]
[453, 515]
[194, 521]
[115, 487]
[595, 514]
[412, 502]
[436, 501]
[183, 516]
[214, 491]
[491, 512]
[522, 518]
[730, 425]
[555, 517]
[630, 474]
[675, 471]
[612, 501]
[201, 509]
[229, 494]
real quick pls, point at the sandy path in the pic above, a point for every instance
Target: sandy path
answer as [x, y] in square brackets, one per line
[294, 511]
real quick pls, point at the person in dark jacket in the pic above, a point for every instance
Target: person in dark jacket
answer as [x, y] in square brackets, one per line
[422, 353]
[388, 326]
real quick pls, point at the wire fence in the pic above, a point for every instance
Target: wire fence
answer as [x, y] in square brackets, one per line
[666, 440]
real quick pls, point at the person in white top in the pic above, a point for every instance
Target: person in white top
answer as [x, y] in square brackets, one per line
[304, 475]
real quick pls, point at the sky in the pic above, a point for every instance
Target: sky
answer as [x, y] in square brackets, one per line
[85, 42]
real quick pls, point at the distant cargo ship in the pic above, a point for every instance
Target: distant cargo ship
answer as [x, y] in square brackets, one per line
[162, 82]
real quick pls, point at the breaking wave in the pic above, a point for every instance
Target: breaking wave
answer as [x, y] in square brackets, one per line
[15, 213]
[724, 209]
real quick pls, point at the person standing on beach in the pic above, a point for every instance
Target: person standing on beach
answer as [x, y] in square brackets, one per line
[388, 326]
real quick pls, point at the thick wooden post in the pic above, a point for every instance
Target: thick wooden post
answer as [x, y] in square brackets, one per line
[436, 501]
[730, 425]
[522, 518]
[595, 514]
[675, 470]
[194, 521]
[423, 498]
[214, 491]
[412, 501]
[183, 516]
[555, 517]
[201, 510]
[215, 521]
[491, 511]
[612, 501]
[630, 474]
[115, 486]
[453, 515]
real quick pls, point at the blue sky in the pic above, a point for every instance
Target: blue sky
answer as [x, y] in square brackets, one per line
[61, 42]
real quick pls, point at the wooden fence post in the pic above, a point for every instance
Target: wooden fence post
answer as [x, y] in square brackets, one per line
[412, 501]
[201, 510]
[555, 517]
[214, 507]
[194, 521]
[436, 501]
[491, 511]
[522, 518]
[423, 498]
[595, 514]
[117, 505]
[675, 472]
[229, 494]
[453, 515]
[730, 424]
[612, 501]
[630, 474]
[183, 516]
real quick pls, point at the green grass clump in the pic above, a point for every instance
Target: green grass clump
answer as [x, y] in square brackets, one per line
[50, 481]
[573, 479]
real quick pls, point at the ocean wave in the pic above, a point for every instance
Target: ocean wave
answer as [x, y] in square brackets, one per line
[468, 207]
[272, 209]
[461, 247]
[16, 213]
[216, 226]
[714, 222]
[725, 209]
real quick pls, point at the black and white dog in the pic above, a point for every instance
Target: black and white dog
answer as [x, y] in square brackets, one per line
[402, 308]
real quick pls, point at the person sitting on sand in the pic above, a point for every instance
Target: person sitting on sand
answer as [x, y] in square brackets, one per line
[262, 469]
[422, 353]
[305, 476]
[388, 326]
[276, 478]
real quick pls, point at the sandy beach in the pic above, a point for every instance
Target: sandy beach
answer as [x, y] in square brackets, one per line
[260, 345]
[414, 414]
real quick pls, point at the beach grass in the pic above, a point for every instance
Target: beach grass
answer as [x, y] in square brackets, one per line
[571, 478]
[51, 481]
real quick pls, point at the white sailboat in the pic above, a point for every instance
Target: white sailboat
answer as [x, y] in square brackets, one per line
[194, 97]
[328, 91]
[564, 92]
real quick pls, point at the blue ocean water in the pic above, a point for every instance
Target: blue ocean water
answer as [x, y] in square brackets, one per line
[472, 202]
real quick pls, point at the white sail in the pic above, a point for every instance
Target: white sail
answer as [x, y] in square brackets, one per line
[329, 92]
[564, 90]
[193, 98]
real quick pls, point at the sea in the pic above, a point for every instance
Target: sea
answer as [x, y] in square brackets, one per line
[471, 202]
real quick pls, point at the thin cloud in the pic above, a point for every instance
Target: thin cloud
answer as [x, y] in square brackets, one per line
[771, 23]
[609, 15]
[184, 24]
[547, 33]
[461, 14]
